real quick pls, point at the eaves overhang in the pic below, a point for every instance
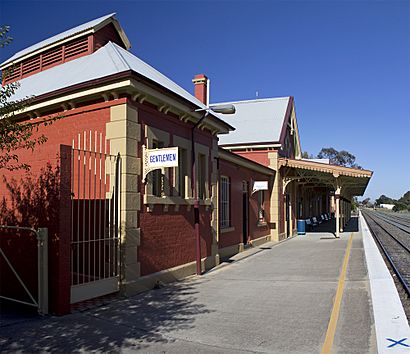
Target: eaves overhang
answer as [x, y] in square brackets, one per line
[131, 82]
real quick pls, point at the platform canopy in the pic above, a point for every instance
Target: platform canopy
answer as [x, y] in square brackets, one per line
[343, 180]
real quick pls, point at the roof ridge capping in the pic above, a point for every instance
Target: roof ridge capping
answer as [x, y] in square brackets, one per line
[256, 100]
[88, 27]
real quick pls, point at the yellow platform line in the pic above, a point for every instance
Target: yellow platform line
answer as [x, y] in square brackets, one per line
[331, 329]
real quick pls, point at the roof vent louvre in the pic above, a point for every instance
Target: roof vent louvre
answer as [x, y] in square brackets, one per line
[31, 65]
[11, 74]
[76, 48]
[52, 57]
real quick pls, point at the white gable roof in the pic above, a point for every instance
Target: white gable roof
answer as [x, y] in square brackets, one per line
[91, 25]
[256, 121]
[108, 60]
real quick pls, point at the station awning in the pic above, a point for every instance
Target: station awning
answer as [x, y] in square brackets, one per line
[347, 181]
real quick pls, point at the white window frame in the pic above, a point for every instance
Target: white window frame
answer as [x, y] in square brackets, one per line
[261, 207]
[186, 146]
[154, 134]
[225, 202]
[204, 151]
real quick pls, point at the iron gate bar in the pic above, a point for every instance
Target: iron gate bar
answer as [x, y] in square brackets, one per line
[42, 269]
[99, 264]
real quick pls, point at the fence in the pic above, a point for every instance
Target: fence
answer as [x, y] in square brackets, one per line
[95, 202]
[8, 256]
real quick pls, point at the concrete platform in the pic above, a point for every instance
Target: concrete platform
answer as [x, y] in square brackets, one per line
[276, 298]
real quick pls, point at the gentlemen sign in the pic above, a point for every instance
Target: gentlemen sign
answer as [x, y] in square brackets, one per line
[259, 186]
[159, 158]
[155, 159]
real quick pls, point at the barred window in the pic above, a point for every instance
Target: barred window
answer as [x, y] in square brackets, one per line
[225, 202]
[157, 176]
[261, 211]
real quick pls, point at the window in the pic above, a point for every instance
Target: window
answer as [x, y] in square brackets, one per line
[261, 211]
[202, 176]
[182, 172]
[225, 202]
[157, 176]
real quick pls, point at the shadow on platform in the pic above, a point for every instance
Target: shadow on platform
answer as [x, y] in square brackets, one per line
[330, 226]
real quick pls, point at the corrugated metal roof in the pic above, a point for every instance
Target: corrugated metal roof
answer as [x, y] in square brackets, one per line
[108, 60]
[58, 37]
[256, 121]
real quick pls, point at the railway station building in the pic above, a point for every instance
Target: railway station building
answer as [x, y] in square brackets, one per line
[115, 223]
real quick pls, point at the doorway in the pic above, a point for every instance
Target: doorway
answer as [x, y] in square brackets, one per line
[245, 212]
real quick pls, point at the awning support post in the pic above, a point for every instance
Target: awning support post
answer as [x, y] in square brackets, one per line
[337, 197]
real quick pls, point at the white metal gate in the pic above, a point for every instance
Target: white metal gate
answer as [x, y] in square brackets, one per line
[96, 233]
[39, 300]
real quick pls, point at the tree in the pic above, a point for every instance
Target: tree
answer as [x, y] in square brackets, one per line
[341, 158]
[365, 202]
[399, 206]
[403, 203]
[405, 198]
[384, 200]
[15, 135]
[305, 155]
[355, 204]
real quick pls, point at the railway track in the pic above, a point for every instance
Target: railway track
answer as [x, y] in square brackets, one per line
[394, 239]
[399, 221]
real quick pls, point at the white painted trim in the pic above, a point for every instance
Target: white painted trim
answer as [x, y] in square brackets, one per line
[93, 289]
[74, 96]
[389, 317]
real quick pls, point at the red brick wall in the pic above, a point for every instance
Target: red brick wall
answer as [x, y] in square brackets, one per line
[238, 174]
[62, 131]
[167, 237]
[260, 157]
[54, 213]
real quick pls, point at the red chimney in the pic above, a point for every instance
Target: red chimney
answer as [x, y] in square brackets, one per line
[201, 88]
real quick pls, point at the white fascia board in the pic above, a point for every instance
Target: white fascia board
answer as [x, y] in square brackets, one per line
[180, 107]
[130, 83]
[74, 96]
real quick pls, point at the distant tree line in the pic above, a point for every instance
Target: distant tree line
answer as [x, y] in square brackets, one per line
[402, 204]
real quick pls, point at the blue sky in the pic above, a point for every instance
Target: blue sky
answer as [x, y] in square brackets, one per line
[347, 63]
